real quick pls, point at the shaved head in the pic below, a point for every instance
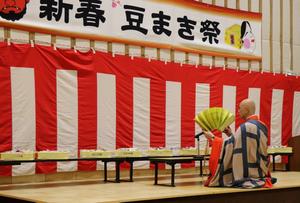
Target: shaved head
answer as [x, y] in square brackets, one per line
[246, 108]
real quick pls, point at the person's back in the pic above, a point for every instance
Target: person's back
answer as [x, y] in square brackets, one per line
[241, 160]
[249, 162]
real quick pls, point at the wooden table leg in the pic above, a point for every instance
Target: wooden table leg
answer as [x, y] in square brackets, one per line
[173, 175]
[118, 171]
[155, 173]
[131, 171]
[105, 171]
[201, 168]
[288, 163]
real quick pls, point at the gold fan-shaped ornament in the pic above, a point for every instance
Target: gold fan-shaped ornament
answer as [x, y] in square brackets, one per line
[214, 118]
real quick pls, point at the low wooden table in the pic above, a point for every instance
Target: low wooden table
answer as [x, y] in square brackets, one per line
[274, 154]
[172, 161]
[116, 160]
[131, 160]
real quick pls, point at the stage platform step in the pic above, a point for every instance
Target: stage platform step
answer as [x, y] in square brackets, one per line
[189, 188]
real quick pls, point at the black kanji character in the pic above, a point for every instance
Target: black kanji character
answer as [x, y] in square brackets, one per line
[135, 17]
[90, 12]
[210, 30]
[160, 23]
[52, 8]
[186, 27]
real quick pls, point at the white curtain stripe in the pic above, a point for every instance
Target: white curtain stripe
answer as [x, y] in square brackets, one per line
[254, 94]
[202, 103]
[141, 113]
[229, 100]
[141, 117]
[106, 114]
[276, 118]
[296, 115]
[67, 116]
[173, 115]
[23, 116]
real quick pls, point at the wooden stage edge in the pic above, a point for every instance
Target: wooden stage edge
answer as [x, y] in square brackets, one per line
[189, 188]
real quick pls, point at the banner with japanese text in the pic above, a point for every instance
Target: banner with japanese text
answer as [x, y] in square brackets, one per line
[184, 25]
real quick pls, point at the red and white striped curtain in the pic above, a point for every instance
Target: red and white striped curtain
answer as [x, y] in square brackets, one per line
[65, 100]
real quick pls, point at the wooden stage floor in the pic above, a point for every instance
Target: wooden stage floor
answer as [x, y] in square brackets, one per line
[142, 189]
